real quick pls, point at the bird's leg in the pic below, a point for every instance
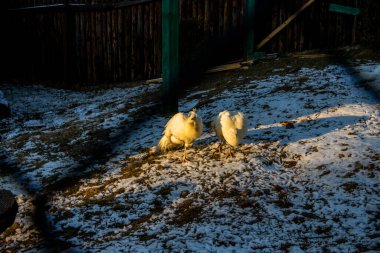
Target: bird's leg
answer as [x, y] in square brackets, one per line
[184, 159]
[219, 148]
[230, 152]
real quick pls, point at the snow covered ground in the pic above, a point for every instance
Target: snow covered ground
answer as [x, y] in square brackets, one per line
[306, 178]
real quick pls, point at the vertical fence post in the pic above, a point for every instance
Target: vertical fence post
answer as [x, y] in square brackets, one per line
[3, 41]
[68, 47]
[170, 54]
[250, 41]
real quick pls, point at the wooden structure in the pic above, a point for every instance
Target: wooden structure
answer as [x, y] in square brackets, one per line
[283, 25]
[97, 41]
[249, 17]
[170, 54]
[344, 9]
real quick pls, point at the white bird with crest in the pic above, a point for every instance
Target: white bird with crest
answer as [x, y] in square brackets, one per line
[230, 127]
[181, 129]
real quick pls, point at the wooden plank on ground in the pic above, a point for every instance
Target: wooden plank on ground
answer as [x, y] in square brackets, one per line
[231, 66]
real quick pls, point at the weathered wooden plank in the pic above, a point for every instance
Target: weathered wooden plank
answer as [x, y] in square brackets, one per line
[94, 69]
[127, 52]
[283, 25]
[140, 42]
[225, 17]
[114, 45]
[81, 7]
[109, 63]
[81, 58]
[206, 20]
[220, 19]
[98, 29]
[150, 49]
[158, 39]
[119, 44]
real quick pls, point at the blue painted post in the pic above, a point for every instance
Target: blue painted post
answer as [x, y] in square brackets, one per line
[250, 41]
[344, 9]
[170, 54]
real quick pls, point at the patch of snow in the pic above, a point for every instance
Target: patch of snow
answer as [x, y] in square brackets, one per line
[305, 178]
[34, 123]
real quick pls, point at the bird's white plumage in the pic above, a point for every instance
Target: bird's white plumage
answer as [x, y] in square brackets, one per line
[230, 126]
[181, 129]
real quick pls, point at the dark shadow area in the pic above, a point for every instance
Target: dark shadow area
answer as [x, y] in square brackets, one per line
[8, 210]
[342, 57]
[142, 205]
[95, 155]
[50, 241]
[200, 49]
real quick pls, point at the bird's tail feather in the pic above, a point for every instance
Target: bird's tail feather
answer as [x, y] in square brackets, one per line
[165, 144]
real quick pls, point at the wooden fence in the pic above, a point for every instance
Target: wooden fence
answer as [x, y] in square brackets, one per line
[95, 41]
[100, 44]
[316, 27]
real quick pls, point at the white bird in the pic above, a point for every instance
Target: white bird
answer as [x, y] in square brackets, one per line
[181, 129]
[230, 127]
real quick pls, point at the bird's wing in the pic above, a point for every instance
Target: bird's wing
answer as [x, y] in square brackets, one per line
[239, 120]
[228, 128]
[240, 124]
[198, 127]
[217, 127]
[174, 123]
[170, 140]
[179, 129]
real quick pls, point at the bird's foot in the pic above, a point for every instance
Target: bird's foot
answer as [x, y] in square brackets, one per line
[184, 160]
[215, 153]
[218, 150]
[230, 154]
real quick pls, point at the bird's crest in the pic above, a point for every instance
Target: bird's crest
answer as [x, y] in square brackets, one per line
[193, 114]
